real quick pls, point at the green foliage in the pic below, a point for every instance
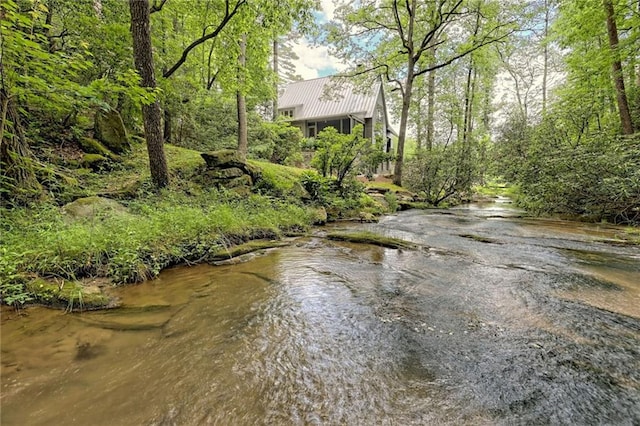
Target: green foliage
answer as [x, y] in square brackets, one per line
[561, 171]
[340, 200]
[319, 187]
[157, 232]
[278, 142]
[372, 156]
[443, 172]
[279, 181]
[392, 200]
[338, 154]
[12, 289]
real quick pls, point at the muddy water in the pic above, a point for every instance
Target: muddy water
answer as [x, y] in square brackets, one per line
[496, 319]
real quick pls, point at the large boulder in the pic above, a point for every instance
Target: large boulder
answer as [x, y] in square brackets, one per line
[90, 207]
[228, 169]
[110, 131]
[223, 159]
[229, 159]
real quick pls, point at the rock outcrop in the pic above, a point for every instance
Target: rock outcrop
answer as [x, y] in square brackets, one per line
[226, 168]
[110, 131]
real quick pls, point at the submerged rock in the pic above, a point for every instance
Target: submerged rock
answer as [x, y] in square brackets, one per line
[70, 295]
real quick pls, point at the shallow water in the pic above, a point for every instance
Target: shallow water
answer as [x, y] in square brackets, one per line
[495, 319]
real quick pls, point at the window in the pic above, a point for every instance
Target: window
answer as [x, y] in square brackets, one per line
[311, 130]
[288, 113]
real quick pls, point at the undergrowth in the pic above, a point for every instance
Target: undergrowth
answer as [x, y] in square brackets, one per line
[135, 245]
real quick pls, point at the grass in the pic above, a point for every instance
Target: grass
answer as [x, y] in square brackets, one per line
[493, 189]
[385, 185]
[280, 181]
[137, 245]
[42, 246]
[47, 254]
[154, 234]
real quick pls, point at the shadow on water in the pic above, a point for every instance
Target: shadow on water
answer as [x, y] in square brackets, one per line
[499, 320]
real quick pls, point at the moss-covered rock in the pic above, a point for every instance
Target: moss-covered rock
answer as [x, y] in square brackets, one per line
[319, 216]
[89, 207]
[244, 180]
[71, 295]
[92, 146]
[228, 159]
[224, 253]
[95, 162]
[231, 173]
[109, 129]
[223, 158]
[371, 238]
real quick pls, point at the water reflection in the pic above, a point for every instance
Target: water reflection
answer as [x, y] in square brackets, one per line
[540, 325]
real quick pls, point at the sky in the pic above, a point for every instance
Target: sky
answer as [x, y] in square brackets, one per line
[315, 61]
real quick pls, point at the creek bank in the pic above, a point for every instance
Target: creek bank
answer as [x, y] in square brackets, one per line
[223, 209]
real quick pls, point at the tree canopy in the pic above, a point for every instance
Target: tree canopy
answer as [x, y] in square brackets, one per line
[481, 88]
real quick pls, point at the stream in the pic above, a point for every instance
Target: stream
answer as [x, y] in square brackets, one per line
[495, 319]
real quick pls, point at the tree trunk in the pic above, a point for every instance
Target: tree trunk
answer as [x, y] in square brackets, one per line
[242, 107]
[464, 175]
[17, 176]
[406, 94]
[167, 125]
[431, 98]
[276, 76]
[623, 104]
[404, 115]
[431, 107]
[545, 68]
[143, 54]
[418, 118]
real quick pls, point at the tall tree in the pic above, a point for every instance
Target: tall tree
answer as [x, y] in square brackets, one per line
[393, 38]
[152, 116]
[616, 66]
[243, 143]
[276, 71]
[601, 44]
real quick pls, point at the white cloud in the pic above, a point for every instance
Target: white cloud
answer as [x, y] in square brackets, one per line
[314, 60]
[328, 8]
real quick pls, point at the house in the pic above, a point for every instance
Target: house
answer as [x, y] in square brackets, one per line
[315, 104]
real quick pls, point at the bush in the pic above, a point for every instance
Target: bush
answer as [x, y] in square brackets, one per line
[436, 173]
[575, 173]
[278, 142]
[340, 200]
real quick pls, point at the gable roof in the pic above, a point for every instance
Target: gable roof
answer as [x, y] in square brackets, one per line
[326, 97]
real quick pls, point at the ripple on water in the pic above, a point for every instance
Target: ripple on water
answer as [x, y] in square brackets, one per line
[541, 328]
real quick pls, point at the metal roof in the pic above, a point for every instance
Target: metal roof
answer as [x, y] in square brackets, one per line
[327, 97]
